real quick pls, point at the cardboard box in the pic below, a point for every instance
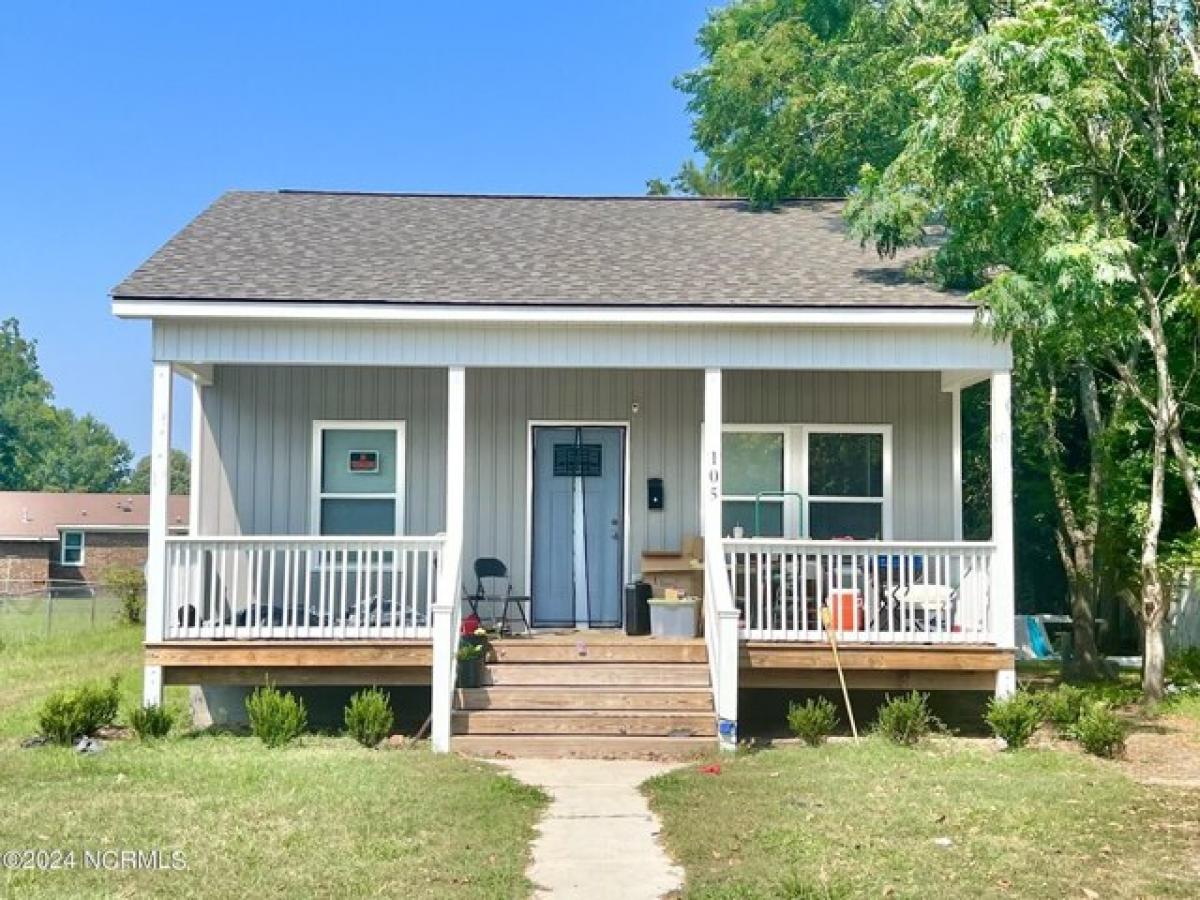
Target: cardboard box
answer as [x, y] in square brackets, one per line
[681, 570]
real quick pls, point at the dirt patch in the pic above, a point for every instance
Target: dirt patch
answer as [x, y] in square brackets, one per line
[1164, 751]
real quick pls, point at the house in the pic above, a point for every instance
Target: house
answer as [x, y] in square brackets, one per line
[65, 542]
[389, 386]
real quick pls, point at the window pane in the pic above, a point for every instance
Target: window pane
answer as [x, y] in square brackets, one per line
[862, 521]
[374, 452]
[741, 512]
[358, 517]
[752, 462]
[73, 539]
[845, 465]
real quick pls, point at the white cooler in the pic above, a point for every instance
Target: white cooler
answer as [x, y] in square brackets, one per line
[673, 618]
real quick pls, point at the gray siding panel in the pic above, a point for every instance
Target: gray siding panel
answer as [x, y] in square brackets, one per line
[785, 347]
[257, 434]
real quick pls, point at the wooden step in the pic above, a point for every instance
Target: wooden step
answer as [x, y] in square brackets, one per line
[697, 699]
[584, 722]
[611, 674]
[583, 747]
[572, 649]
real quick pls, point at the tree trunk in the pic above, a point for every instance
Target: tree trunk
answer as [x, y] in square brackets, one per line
[1153, 601]
[1154, 657]
[1086, 662]
[1187, 468]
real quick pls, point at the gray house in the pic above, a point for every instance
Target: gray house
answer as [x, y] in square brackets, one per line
[745, 407]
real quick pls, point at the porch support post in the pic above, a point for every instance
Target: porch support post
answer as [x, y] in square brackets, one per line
[956, 486]
[1003, 603]
[156, 560]
[721, 626]
[447, 610]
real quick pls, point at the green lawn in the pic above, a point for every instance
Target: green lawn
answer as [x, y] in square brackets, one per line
[32, 618]
[864, 821]
[324, 817]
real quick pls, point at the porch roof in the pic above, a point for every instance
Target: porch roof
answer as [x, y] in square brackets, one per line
[491, 250]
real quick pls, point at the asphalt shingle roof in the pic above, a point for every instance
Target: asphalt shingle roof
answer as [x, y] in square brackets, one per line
[411, 248]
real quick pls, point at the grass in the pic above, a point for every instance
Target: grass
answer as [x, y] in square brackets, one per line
[323, 817]
[851, 821]
[26, 618]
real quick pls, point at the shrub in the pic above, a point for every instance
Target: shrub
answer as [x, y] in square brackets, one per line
[151, 721]
[369, 717]
[812, 721]
[1100, 731]
[73, 712]
[128, 585]
[1062, 706]
[906, 720]
[1014, 718]
[1183, 667]
[276, 717]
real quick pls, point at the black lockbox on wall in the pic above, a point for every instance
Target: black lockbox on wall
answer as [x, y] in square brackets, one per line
[654, 493]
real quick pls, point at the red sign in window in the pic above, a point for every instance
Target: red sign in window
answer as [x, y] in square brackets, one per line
[364, 461]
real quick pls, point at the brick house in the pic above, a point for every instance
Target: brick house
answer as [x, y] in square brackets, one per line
[67, 541]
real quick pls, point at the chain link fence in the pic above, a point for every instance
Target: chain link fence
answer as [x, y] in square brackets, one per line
[40, 610]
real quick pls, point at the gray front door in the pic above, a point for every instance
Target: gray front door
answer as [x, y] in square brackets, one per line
[578, 517]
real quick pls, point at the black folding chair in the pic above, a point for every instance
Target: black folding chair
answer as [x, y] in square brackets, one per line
[491, 569]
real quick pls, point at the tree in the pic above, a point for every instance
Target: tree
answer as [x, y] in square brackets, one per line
[43, 447]
[181, 473]
[1061, 150]
[794, 96]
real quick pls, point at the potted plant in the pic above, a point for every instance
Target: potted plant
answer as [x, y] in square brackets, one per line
[470, 658]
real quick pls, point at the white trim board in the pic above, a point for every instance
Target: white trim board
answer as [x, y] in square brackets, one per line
[625, 515]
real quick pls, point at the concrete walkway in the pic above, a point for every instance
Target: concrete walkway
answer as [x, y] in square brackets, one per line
[598, 838]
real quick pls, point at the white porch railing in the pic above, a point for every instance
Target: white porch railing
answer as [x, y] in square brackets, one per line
[296, 587]
[874, 591]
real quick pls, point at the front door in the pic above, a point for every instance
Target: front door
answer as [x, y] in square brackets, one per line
[578, 517]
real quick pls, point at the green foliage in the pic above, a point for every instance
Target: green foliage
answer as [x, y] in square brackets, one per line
[1015, 718]
[1062, 706]
[43, 447]
[1099, 730]
[71, 713]
[369, 717]
[906, 720]
[138, 481]
[276, 717]
[469, 650]
[150, 722]
[1183, 667]
[128, 585]
[812, 721]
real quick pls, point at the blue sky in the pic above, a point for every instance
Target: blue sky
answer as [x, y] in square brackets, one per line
[122, 121]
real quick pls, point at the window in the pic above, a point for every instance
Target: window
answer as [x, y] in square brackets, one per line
[358, 478]
[847, 471]
[72, 548]
[753, 463]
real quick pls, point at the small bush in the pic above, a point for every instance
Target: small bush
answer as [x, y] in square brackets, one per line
[276, 717]
[1099, 731]
[1183, 667]
[369, 717]
[1014, 718]
[812, 721]
[906, 720]
[128, 585]
[151, 722]
[1062, 706]
[73, 712]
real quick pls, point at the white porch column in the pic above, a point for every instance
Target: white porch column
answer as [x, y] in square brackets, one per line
[156, 558]
[1003, 603]
[447, 610]
[722, 624]
[956, 486]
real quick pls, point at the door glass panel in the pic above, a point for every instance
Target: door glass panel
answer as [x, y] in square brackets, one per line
[741, 512]
[862, 521]
[845, 465]
[752, 462]
[358, 517]
[358, 461]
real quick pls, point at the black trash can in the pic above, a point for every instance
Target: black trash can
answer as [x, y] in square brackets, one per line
[637, 608]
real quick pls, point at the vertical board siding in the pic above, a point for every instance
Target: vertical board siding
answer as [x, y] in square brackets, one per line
[911, 402]
[257, 434]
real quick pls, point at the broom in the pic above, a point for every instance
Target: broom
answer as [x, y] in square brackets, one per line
[827, 620]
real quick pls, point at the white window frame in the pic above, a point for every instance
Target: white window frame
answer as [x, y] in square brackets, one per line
[790, 510]
[62, 547]
[320, 426]
[885, 501]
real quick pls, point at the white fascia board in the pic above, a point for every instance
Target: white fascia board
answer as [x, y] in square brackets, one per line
[475, 314]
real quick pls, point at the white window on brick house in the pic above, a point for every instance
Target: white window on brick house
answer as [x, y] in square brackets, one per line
[72, 544]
